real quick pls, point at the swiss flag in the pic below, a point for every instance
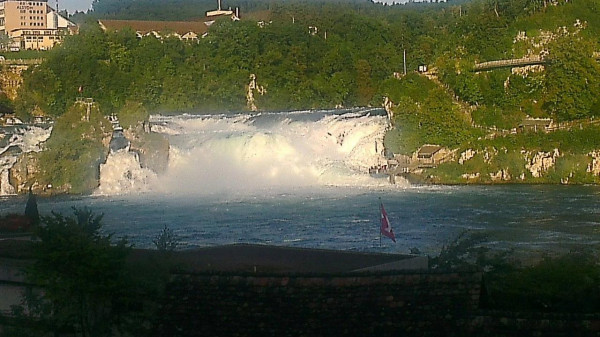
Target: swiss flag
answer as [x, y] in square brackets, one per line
[386, 228]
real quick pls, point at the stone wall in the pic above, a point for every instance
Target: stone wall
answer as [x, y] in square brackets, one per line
[423, 304]
[515, 324]
[417, 304]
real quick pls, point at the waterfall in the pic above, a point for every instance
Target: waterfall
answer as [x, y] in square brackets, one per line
[257, 152]
[122, 173]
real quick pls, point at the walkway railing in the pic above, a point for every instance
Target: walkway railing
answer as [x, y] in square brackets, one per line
[526, 61]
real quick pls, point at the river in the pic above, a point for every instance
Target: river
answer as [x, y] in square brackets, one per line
[299, 179]
[527, 219]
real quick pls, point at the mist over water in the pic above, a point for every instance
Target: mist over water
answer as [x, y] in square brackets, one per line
[246, 153]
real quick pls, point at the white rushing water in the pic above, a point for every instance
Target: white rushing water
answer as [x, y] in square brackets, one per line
[14, 141]
[256, 152]
[122, 173]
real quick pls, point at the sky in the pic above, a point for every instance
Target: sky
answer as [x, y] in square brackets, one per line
[72, 5]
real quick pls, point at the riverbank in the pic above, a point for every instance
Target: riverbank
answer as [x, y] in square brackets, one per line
[267, 289]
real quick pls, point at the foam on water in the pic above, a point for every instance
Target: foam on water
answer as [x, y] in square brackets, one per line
[265, 152]
[122, 173]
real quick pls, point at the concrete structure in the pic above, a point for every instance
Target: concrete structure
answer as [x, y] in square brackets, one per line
[33, 24]
[220, 12]
[430, 155]
[536, 124]
[525, 61]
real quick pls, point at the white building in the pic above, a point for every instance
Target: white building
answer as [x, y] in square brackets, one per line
[33, 24]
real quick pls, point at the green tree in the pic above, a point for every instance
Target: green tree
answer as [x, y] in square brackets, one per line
[166, 241]
[364, 85]
[572, 77]
[74, 151]
[82, 275]
[132, 114]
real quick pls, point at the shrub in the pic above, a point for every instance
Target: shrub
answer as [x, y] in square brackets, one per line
[562, 284]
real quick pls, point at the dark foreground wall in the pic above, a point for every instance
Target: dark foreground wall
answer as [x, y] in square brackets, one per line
[425, 304]
[532, 324]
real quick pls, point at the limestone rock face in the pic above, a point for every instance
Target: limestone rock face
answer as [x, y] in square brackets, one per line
[594, 166]
[541, 162]
[471, 176]
[253, 86]
[26, 172]
[502, 175]
[468, 154]
[23, 172]
[388, 105]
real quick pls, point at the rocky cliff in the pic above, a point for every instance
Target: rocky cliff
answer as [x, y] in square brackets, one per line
[492, 165]
[152, 148]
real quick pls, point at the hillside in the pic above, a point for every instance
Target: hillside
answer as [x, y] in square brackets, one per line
[312, 54]
[502, 104]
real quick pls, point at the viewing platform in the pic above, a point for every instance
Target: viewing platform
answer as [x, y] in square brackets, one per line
[428, 156]
[526, 61]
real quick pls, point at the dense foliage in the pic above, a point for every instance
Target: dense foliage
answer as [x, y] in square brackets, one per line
[352, 56]
[356, 47]
[567, 283]
[86, 283]
[425, 114]
[561, 283]
[83, 277]
[74, 151]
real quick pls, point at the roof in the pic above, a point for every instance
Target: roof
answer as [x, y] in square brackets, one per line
[536, 121]
[428, 150]
[179, 27]
[279, 259]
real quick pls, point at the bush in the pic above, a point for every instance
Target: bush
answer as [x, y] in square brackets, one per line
[81, 272]
[74, 151]
[563, 284]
